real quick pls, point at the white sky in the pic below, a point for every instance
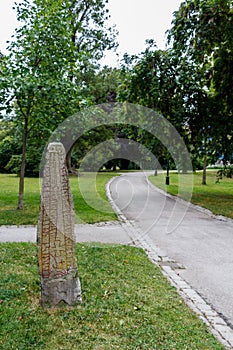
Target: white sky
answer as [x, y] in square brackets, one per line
[136, 21]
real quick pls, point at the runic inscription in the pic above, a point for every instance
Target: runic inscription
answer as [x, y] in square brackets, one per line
[55, 234]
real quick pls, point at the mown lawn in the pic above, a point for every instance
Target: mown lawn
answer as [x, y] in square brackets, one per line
[127, 305]
[95, 210]
[217, 197]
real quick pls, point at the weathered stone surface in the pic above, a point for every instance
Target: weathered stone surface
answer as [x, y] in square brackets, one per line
[55, 234]
[63, 290]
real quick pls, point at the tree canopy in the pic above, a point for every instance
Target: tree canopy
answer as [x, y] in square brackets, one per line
[190, 82]
[42, 77]
[201, 39]
[51, 71]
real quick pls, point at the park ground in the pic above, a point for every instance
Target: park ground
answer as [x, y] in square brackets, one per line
[127, 303]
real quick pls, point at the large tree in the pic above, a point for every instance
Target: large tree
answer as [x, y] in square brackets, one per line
[201, 37]
[42, 77]
[150, 79]
[191, 82]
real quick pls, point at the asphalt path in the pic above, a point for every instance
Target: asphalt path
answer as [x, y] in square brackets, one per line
[198, 241]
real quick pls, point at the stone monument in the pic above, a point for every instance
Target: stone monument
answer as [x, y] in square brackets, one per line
[55, 234]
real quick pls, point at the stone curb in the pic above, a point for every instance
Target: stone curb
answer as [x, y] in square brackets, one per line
[205, 312]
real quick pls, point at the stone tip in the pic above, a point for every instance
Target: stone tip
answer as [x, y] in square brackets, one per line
[56, 147]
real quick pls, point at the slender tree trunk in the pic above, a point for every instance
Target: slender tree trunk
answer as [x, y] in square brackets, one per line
[204, 171]
[23, 164]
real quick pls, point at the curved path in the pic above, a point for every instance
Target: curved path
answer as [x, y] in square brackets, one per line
[198, 244]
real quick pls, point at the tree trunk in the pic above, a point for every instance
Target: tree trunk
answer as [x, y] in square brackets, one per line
[204, 171]
[23, 164]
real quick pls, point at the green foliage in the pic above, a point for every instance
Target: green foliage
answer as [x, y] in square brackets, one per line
[86, 143]
[8, 144]
[226, 171]
[150, 79]
[8, 149]
[127, 304]
[190, 83]
[14, 164]
[41, 81]
[103, 85]
[201, 41]
[53, 50]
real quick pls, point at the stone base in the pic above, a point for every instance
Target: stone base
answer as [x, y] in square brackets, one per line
[65, 290]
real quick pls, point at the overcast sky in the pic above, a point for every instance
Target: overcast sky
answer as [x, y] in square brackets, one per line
[136, 21]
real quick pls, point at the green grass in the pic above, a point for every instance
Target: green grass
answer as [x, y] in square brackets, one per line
[90, 200]
[217, 197]
[127, 305]
[88, 213]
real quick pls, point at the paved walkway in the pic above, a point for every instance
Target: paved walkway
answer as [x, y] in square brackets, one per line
[193, 248]
[110, 232]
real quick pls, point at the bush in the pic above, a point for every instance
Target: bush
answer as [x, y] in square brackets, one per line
[227, 172]
[14, 164]
[8, 148]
